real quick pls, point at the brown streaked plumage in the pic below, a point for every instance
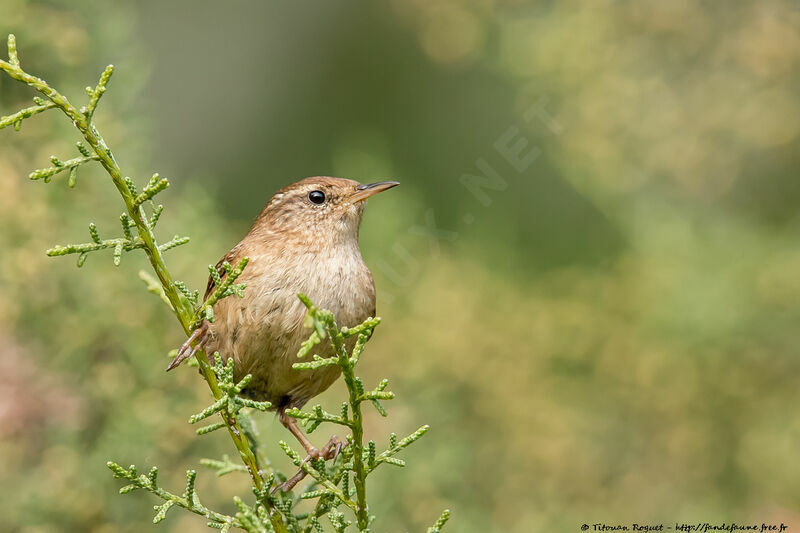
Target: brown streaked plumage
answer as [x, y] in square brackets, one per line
[305, 240]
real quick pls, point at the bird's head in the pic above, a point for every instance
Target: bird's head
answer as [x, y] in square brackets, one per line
[324, 207]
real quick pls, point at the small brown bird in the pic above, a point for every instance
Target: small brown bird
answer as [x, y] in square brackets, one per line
[305, 240]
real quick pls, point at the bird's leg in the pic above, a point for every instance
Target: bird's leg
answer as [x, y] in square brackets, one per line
[200, 335]
[329, 451]
[290, 423]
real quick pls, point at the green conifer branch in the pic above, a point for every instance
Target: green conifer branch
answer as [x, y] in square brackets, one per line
[230, 403]
[17, 118]
[437, 527]
[223, 289]
[395, 447]
[96, 93]
[318, 362]
[225, 466]
[154, 187]
[188, 500]
[318, 474]
[184, 311]
[360, 460]
[154, 287]
[317, 416]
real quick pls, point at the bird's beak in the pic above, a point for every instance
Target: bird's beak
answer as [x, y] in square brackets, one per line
[365, 191]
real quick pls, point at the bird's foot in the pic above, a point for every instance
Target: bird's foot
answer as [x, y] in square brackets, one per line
[331, 450]
[200, 337]
[328, 452]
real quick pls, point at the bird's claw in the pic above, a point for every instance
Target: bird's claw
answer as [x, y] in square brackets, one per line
[328, 452]
[200, 335]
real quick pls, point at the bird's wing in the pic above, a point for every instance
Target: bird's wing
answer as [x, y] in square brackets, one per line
[230, 257]
[199, 336]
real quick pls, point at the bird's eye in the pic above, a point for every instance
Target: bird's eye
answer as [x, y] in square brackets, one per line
[316, 197]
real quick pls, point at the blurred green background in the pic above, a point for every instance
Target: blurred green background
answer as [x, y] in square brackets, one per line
[604, 331]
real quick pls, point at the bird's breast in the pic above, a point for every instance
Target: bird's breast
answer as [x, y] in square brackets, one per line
[263, 331]
[340, 281]
[335, 278]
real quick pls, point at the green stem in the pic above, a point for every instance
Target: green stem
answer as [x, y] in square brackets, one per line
[182, 308]
[360, 477]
